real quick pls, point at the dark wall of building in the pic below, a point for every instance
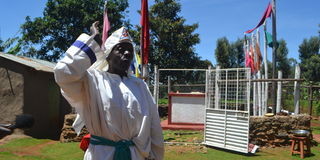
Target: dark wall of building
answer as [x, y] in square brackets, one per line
[42, 99]
[11, 95]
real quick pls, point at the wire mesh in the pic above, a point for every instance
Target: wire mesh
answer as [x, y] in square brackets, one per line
[228, 89]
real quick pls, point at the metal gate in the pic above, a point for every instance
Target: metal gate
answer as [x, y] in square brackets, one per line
[228, 109]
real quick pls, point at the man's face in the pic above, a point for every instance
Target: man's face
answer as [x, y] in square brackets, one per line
[121, 56]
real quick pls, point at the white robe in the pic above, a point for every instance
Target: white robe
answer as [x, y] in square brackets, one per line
[109, 106]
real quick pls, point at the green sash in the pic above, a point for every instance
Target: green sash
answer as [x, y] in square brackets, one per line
[122, 151]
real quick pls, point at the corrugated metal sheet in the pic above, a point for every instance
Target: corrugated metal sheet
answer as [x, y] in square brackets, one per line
[227, 118]
[37, 64]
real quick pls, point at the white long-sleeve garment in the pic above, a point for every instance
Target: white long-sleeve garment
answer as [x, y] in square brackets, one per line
[109, 106]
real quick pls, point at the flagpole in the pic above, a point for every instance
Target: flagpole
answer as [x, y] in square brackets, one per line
[144, 51]
[265, 67]
[141, 52]
[274, 51]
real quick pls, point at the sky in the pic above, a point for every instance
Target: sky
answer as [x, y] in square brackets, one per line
[296, 20]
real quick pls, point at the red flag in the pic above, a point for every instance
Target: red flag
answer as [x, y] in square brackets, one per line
[251, 63]
[106, 25]
[145, 39]
[266, 14]
[259, 56]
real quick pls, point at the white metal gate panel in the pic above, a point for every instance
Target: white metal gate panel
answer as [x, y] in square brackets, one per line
[227, 109]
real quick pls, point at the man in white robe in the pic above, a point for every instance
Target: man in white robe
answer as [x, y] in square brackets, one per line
[114, 106]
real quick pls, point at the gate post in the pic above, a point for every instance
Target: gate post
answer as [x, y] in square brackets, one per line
[297, 91]
[279, 92]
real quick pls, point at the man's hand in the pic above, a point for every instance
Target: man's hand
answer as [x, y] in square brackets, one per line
[95, 32]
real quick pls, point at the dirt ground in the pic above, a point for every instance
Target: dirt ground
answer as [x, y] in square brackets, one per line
[11, 100]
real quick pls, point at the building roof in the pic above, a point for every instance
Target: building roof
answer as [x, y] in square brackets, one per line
[37, 64]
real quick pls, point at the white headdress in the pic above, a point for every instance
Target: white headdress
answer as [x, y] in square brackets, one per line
[120, 35]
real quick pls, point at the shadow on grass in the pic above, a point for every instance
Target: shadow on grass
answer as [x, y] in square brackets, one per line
[233, 152]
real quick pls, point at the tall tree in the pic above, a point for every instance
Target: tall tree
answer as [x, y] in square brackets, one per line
[309, 47]
[311, 68]
[237, 55]
[310, 58]
[222, 52]
[283, 63]
[172, 41]
[63, 21]
[5, 45]
[229, 55]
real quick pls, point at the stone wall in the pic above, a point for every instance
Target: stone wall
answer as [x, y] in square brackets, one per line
[264, 131]
[275, 131]
[68, 134]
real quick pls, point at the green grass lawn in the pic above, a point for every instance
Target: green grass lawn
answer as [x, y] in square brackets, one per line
[315, 126]
[43, 149]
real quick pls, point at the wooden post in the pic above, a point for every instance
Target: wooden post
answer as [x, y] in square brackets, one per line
[297, 91]
[8, 75]
[279, 92]
[310, 97]
[169, 84]
[274, 52]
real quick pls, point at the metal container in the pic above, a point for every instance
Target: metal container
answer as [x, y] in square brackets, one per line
[301, 133]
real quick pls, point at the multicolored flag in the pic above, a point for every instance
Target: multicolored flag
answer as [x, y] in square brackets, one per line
[106, 25]
[136, 65]
[145, 39]
[266, 15]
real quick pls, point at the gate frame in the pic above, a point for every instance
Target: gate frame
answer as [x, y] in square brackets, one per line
[215, 107]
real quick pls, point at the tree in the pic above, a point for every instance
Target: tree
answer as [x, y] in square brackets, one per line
[222, 52]
[283, 63]
[309, 56]
[5, 45]
[172, 41]
[292, 62]
[311, 68]
[237, 55]
[48, 37]
[229, 55]
[309, 48]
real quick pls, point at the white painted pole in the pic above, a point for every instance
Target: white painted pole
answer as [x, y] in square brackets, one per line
[259, 75]
[156, 85]
[255, 106]
[259, 93]
[297, 91]
[279, 92]
[208, 92]
[255, 92]
[217, 93]
[155, 81]
[263, 95]
[265, 59]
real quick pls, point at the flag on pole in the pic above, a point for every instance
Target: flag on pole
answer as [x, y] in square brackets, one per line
[251, 57]
[266, 15]
[247, 57]
[106, 24]
[145, 40]
[269, 38]
[136, 65]
[259, 56]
